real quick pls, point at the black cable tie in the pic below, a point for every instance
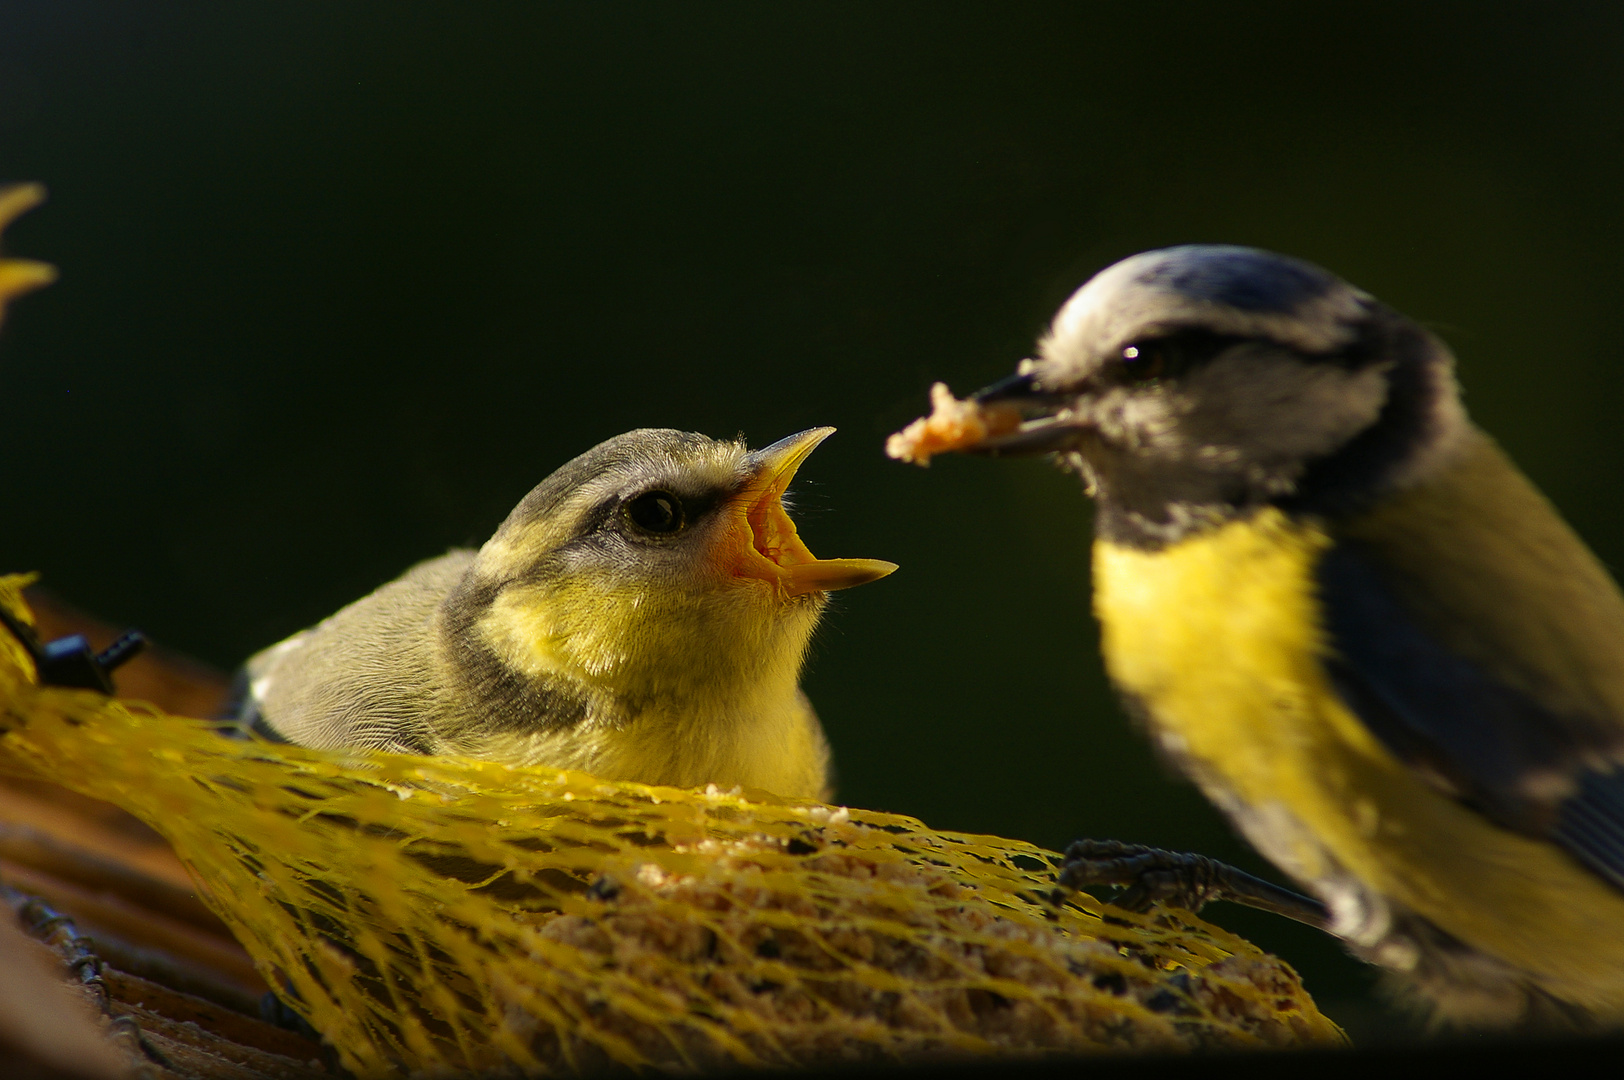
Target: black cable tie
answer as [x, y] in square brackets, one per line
[68, 661]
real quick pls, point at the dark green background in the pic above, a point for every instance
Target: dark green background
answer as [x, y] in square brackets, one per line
[342, 281]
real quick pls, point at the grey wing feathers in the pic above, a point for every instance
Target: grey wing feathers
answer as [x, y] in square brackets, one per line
[366, 677]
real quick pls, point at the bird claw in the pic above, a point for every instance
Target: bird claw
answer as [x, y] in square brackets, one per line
[1149, 876]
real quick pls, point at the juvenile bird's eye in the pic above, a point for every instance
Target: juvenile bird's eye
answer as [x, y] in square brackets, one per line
[656, 512]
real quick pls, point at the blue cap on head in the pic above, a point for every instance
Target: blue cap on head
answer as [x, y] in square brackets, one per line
[1248, 279]
[1221, 288]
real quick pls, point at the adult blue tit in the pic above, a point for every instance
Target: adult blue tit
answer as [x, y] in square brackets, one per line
[642, 615]
[1343, 611]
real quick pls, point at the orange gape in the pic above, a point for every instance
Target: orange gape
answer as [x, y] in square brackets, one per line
[771, 549]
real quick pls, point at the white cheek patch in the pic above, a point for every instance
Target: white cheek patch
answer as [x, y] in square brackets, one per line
[1144, 422]
[1277, 407]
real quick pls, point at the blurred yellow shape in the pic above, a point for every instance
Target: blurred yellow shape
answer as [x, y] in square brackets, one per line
[19, 276]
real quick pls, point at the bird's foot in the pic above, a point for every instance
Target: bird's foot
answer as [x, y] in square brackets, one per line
[1148, 876]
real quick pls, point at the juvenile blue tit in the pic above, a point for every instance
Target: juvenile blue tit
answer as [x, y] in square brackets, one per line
[642, 615]
[1343, 611]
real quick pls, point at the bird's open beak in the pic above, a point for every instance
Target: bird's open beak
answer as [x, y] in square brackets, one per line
[774, 552]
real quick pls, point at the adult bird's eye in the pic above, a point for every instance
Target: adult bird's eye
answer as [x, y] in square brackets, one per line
[1145, 361]
[1173, 355]
[656, 512]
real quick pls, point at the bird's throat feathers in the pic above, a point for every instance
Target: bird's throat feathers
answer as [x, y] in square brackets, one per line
[631, 684]
[633, 648]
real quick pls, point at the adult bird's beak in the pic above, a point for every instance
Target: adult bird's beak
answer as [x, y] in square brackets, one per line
[774, 552]
[1012, 416]
[1034, 421]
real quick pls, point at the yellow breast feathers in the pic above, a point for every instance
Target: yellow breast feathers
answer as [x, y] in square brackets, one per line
[1220, 638]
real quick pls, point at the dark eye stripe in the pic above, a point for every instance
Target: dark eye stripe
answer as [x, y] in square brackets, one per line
[606, 513]
[1172, 355]
[658, 512]
[596, 518]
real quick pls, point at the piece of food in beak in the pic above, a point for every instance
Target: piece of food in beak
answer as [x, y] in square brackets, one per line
[774, 552]
[952, 425]
[1013, 416]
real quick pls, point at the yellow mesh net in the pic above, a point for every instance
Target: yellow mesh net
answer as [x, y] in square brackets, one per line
[432, 915]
